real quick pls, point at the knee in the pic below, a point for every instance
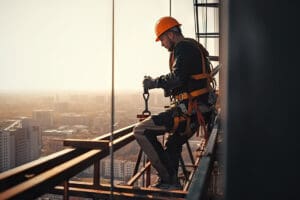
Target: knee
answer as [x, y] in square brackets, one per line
[140, 129]
[137, 131]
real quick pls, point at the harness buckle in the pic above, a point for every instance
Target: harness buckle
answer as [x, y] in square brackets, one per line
[183, 108]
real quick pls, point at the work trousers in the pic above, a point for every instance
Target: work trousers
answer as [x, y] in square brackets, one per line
[164, 158]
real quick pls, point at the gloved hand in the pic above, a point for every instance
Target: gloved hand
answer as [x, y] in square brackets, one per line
[149, 83]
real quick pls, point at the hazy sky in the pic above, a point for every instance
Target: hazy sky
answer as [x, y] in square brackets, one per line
[66, 44]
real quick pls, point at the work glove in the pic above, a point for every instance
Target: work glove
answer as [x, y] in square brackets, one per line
[149, 83]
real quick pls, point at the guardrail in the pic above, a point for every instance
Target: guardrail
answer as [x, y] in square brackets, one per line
[35, 178]
[52, 174]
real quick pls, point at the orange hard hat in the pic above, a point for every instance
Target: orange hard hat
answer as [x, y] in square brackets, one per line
[164, 24]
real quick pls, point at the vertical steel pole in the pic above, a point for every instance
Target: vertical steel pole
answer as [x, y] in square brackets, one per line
[96, 180]
[66, 189]
[112, 105]
[170, 7]
[196, 20]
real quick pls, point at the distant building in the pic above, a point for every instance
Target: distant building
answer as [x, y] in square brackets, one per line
[74, 119]
[123, 169]
[101, 122]
[7, 147]
[44, 117]
[61, 107]
[20, 142]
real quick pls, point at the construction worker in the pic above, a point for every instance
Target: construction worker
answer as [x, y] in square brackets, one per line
[192, 96]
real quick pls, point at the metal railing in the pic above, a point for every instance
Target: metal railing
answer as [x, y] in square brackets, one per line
[52, 174]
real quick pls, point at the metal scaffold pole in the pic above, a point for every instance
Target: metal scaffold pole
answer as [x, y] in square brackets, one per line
[111, 150]
[170, 8]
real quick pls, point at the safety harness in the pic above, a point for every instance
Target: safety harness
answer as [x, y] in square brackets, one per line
[192, 101]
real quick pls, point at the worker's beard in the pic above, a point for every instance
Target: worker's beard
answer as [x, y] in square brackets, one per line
[171, 48]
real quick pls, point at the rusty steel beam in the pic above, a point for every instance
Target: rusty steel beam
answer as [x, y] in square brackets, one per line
[212, 5]
[139, 174]
[214, 58]
[121, 192]
[48, 179]
[44, 181]
[96, 178]
[86, 144]
[121, 141]
[41, 183]
[24, 172]
[118, 133]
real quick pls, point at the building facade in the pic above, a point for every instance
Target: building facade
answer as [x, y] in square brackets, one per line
[44, 118]
[20, 142]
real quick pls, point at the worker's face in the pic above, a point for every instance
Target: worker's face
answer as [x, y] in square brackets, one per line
[166, 41]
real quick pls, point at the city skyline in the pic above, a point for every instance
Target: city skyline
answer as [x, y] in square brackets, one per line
[63, 116]
[66, 45]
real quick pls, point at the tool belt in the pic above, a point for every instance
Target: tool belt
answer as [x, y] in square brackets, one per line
[193, 107]
[193, 94]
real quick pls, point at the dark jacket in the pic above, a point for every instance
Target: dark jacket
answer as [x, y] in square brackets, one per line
[185, 60]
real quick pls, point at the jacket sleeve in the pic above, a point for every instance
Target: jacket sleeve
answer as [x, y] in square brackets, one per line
[178, 75]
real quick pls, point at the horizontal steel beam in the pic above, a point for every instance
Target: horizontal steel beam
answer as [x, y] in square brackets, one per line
[86, 144]
[47, 179]
[43, 182]
[214, 5]
[24, 172]
[214, 58]
[120, 192]
[208, 35]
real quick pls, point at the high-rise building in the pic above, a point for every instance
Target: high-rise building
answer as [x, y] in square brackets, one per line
[7, 146]
[123, 169]
[20, 142]
[44, 117]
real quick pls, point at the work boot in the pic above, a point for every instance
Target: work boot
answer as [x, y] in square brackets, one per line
[160, 184]
[174, 184]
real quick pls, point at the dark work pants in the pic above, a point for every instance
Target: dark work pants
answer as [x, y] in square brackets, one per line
[164, 159]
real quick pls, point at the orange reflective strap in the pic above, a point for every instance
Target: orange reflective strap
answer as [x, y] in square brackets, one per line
[200, 76]
[201, 121]
[194, 105]
[199, 92]
[195, 93]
